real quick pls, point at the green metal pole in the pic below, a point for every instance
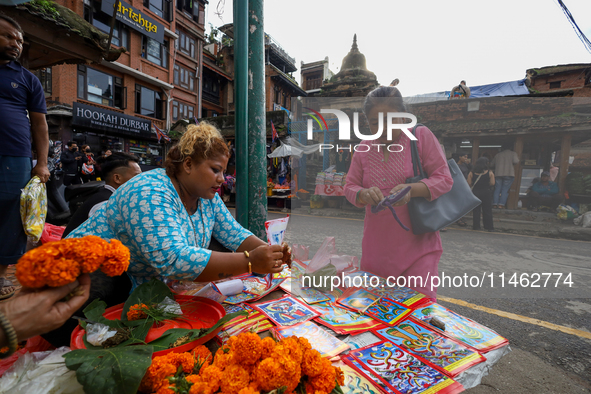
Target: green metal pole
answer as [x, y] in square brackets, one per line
[241, 100]
[257, 128]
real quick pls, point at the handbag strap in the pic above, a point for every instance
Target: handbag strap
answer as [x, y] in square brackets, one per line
[416, 158]
[474, 184]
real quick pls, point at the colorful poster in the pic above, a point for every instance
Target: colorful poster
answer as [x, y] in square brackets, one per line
[388, 311]
[359, 300]
[286, 311]
[312, 296]
[442, 353]
[403, 372]
[403, 295]
[326, 344]
[255, 287]
[342, 320]
[358, 368]
[461, 328]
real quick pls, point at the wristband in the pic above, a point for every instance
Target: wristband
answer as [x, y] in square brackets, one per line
[11, 337]
[357, 196]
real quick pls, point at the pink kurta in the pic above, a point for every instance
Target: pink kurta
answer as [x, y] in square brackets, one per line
[388, 249]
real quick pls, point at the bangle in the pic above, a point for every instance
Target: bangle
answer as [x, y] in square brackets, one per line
[10, 336]
[249, 263]
[357, 196]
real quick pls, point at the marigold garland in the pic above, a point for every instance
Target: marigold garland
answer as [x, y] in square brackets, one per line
[59, 263]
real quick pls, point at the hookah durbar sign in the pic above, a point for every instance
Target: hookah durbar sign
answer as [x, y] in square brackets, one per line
[110, 121]
[135, 19]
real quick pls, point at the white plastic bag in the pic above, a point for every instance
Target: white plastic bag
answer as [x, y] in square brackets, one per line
[97, 333]
[41, 373]
[583, 220]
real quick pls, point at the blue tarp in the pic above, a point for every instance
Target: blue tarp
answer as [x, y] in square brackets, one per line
[511, 88]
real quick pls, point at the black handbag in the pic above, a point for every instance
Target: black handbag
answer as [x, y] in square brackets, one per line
[430, 216]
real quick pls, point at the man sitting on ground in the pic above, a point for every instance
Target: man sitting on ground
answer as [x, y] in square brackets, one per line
[116, 169]
[544, 193]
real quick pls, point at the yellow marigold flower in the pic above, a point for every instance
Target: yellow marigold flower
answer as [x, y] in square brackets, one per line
[304, 344]
[166, 390]
[116, 259]
[201, 388]
[234, 379]
[90, 252]
[246, 348]
[137, 312]
[203, 356]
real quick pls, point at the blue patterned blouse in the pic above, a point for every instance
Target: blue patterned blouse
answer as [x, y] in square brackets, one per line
[146, 214]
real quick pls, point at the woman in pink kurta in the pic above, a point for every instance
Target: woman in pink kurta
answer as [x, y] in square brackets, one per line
[388, 249]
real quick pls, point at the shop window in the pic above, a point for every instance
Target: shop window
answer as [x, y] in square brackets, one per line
[184, 78]
[182, 111]
[186, 44]
[101, 88]
[102, 21]
[149, 102]
[154, 51]
[159, 7]
[190, 7]
[44, 76]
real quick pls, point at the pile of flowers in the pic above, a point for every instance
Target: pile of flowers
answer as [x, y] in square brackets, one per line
[247, 365]
[61, 262]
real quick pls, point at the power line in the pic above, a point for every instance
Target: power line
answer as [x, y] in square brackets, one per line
[578, 31]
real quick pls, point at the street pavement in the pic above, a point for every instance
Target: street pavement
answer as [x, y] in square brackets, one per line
[549, 328]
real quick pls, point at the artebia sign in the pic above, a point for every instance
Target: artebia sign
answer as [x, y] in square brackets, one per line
[393, 120]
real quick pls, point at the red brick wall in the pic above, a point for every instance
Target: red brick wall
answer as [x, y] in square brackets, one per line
[568, 80]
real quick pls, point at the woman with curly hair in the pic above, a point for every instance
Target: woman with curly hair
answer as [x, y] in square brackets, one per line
[167, 217]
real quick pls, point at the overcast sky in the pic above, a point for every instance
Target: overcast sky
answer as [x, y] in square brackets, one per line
[429, 45]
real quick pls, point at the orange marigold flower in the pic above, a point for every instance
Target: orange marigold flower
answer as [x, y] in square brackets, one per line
[202, 356]
[222, 359]
[312, 364]
[137, 312]
[212, 375]
[4, 349]
[234, 379]
[304, 344]
[184, 360]
[62, 272]
[116, 259]
[340, 376]
[248, 390]
[326, 380]
[267, 346]
[166, 390]
[289, 347]
[90, 252]
[268, 374]
[200, 387]
[157, 374]
[247, 348]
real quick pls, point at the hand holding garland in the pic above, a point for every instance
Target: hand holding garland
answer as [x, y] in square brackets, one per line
[37, 311]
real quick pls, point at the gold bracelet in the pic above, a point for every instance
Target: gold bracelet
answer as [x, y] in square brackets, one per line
[10, 336]
[249, 263]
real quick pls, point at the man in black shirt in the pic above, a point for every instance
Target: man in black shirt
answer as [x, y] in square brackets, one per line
[464, 164]
[116, 169]
[72, 159]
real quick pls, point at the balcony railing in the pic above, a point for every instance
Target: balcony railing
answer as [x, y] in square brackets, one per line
[270, 41]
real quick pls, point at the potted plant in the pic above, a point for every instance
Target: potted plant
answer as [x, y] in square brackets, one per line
[316, 201]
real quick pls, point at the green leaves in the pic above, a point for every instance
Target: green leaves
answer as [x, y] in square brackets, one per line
[117, 370]
[174, 334]
[152, 292]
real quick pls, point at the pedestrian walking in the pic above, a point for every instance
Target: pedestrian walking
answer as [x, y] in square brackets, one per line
[23, 116]
[481, 179]
[504, 164]
[70, 159]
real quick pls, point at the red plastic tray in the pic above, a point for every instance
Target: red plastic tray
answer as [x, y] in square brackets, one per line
[198, 312]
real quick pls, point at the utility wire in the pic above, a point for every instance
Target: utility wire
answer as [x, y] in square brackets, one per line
[578, 30]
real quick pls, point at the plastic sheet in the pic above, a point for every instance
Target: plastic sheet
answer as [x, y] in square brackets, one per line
[300, 252]
[41, 373]
[473, 376]
[33, 208]
[98, 333]
[52, 233]
[169, 305]
[583, 220]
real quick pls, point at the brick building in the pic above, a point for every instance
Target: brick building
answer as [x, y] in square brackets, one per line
[114, 105]
[574, 79]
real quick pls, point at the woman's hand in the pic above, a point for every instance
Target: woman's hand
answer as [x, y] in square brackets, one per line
[266, 259]
[37, 311]
[405, 199]
[371, 196]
